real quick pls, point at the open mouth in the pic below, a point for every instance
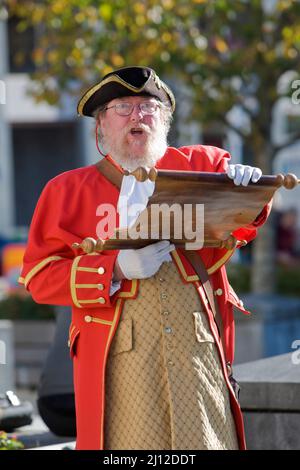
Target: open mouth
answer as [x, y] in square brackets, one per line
[136, 131]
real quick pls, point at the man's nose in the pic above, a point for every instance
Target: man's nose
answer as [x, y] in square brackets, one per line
[136, 114]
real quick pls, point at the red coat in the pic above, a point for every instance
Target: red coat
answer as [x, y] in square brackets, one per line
[57, 274]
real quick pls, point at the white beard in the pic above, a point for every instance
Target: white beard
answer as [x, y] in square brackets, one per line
[155, 149]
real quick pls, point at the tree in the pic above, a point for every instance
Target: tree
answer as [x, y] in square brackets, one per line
[226, 52]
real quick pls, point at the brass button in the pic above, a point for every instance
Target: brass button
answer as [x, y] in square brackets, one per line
[219, 292]
[102, 300]
[229, 368]
[88, 318]
[170, 363]
[166, 312]
[101, 286]
[164, 296]
[101, 270]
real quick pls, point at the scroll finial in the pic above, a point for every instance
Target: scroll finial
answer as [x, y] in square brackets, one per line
[289, 181]
[231, 243]
[152, 174]
[141, 174]
[89, 245]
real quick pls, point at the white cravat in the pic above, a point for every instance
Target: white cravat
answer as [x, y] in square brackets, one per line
[133, 199]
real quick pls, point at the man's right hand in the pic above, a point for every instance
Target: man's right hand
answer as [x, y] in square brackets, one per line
[144, 262]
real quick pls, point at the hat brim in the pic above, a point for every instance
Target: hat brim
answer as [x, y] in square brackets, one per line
[115, 87]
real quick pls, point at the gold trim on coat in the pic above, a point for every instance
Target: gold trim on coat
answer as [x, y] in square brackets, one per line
[116, 316]
[73, 281]
[87, 270]
[72, 328]
[99, 320]
[210, 270]
[221, 261]
[38, 268]
[71, 342]
[86, 286]
[131, 293]
[182, 270]
[91, 301]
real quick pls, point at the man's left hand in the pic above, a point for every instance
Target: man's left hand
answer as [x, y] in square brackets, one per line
[243, 174]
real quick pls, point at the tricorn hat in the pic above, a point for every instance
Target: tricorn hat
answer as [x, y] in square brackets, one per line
[126, 81]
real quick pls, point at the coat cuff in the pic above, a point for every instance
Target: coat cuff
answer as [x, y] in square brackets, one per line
[90, 280]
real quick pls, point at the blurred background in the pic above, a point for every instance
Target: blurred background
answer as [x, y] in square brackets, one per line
[234, 67]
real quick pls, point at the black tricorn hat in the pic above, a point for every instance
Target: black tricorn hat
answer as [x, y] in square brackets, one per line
[126, 81]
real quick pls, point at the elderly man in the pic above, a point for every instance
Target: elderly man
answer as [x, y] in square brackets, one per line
[151, 367]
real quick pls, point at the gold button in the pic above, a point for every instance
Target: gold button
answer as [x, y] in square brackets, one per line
[101, 270]
[101, 286]
[101, 300]
[219, 292]
[229, 368]
[88, 318]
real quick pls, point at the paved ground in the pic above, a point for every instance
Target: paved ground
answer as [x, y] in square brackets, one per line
[37, 435]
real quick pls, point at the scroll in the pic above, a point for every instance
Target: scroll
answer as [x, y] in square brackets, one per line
[191, 208]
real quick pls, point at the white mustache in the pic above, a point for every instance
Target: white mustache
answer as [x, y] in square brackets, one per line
[141, 126]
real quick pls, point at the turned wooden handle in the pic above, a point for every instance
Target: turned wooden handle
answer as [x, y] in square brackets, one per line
[89, 245]
[289, 181]
[237, 206]
[142, 174]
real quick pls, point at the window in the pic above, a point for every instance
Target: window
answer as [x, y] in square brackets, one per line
[20, 46]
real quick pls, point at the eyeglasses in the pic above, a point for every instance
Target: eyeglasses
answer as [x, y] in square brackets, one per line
[125, 109]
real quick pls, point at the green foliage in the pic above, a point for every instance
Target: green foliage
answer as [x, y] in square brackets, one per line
[288, 279]
[226, 52]
[17, 307]
[9, 443]
[222, 53]
[239, 276]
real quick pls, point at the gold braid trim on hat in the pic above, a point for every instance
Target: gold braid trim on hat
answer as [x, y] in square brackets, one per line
[116, 78]
[169, 93]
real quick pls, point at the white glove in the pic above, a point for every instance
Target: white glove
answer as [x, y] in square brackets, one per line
[144, 262]
[242, 174]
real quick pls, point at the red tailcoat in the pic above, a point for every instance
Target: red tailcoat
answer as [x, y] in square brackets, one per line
[57, 274]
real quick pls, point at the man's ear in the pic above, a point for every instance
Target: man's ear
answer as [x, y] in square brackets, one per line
[98, 133]
[99, 121]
